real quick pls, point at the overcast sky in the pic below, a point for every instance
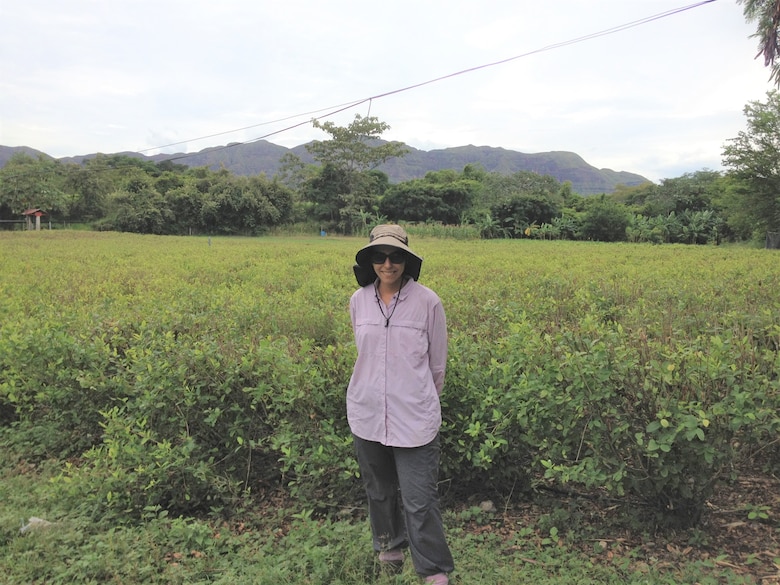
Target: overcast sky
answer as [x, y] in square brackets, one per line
[659, 99]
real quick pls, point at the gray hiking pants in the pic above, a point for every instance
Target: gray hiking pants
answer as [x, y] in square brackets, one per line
[414, 518]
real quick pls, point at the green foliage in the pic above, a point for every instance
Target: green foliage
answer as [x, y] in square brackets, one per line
[343, 200]
[55, 379]
[27, 183]
[120, 193]
[520, 213]
[500, 188]
[764, 14]
[690, 227]
[355, 147]
[272, 545]
[135, 468]
[752, 158]
[140, 209]
[430, 199]
[346, 188]
[689, 192]
[87, 191]
[605, 221]
[182, 373]
[346, 193]
[590, 409]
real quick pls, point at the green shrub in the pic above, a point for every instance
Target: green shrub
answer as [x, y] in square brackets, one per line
[134, 469]
[591, 409]
[56, 380]
[180, 373]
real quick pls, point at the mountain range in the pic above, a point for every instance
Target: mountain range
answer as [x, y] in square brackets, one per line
[263, 157]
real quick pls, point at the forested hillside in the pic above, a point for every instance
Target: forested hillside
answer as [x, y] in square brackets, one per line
[264, 157]
[339, 186]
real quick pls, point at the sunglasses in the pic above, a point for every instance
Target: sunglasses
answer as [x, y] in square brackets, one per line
[395, 258]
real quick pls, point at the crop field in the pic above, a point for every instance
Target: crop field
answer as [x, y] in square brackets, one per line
[158, 391]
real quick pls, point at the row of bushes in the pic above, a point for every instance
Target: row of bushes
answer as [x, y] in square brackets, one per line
[155, 396]
[190, 423]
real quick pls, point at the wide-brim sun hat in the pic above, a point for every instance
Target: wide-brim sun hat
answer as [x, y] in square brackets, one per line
[386, 235]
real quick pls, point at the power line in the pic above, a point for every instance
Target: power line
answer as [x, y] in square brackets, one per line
[602, 33]
[349, 105]
[333, 110]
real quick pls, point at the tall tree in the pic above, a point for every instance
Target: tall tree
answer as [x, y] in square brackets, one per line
[753, 158]
[87, 189]
[27, 182]
[347, 188]
[766, 15]
[325, 191]
[356, 147]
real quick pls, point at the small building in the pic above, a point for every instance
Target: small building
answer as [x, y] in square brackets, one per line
[34, 213]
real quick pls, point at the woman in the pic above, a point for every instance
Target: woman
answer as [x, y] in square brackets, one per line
[393, 403]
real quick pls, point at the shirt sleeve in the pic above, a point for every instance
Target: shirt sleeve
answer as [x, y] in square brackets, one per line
[437, 345]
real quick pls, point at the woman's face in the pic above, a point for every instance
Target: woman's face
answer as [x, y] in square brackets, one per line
[389, 264]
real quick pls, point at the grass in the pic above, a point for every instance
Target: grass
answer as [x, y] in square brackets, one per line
[271, 545]
[117, 281]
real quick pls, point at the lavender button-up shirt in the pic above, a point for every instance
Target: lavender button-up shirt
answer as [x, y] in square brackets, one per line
[393, 395]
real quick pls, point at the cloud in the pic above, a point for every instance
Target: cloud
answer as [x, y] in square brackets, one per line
[655, 99]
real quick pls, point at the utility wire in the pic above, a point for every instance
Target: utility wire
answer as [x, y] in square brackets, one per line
[333, 110]
[349, 105]
[602, 33]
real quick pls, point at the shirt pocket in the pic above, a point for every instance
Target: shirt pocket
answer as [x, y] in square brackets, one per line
[369, 335]
[412, 341]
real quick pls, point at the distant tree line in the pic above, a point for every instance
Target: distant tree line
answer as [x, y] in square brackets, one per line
[343, 192]
[122, 193]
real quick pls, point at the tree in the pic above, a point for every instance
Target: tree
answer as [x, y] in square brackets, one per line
[185, 203]
[701, 227]
[739, 222]
[293, 172]
[569, 224]
[355, 147]
[27, 182]
[522, 212]
[326, 191]
[87, 190]
[420, 200]
[643, 229]
[689, 192]
[766, 15]
[361, 201]
[753, 158]
[441, 196]
[500, 188]
[670, 227]
[489, 227]
[644, 200]
[605, 221]
[141, 211]
[245, 205]
[348, 186]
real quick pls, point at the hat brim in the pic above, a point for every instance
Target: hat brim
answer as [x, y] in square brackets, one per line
[413, 261]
